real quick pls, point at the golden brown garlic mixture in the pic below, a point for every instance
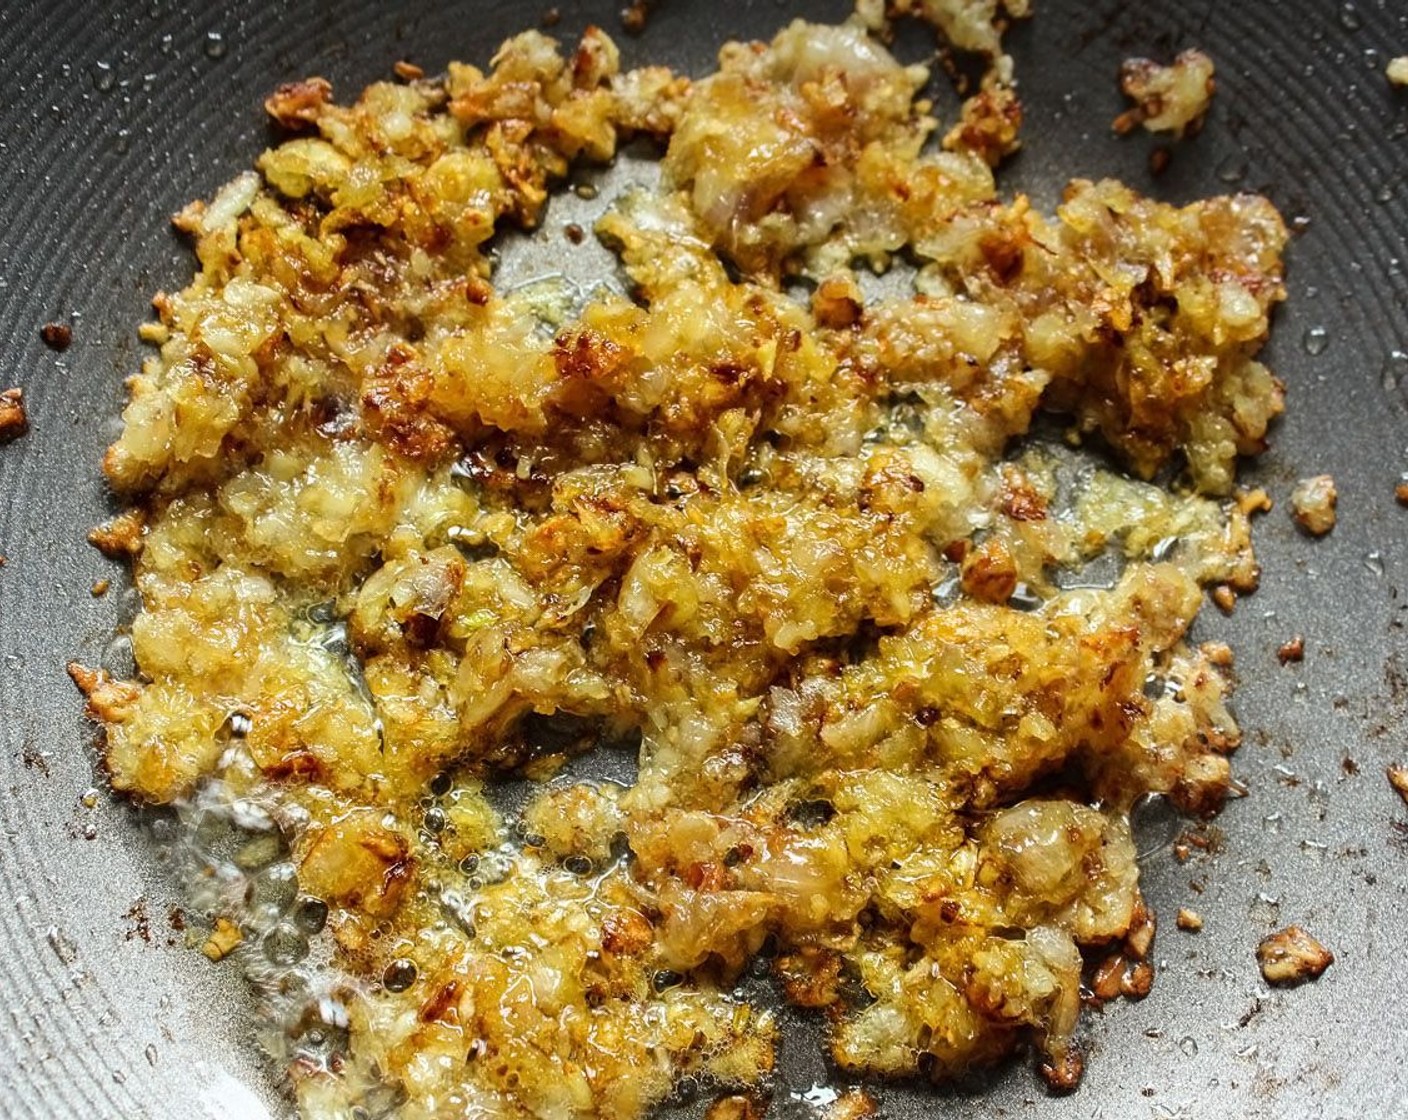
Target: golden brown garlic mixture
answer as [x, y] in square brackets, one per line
[401, 536]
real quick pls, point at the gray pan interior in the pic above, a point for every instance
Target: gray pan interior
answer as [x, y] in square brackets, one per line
[115, 116]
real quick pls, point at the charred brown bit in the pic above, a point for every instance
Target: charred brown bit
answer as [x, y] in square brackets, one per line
[635, 17]
[399, 531]
[1218, 653]
[1400, 492]
[1398, 779]
[297, 105]
[57, 336]
[120, 537]
[1063, 1073]
[1291, 956]
[736, 1107]
[989, 125]
[14, 422]
[1172, 98]
[1293, 649]
[853, 1104]
[100, 588]
[1313, 504]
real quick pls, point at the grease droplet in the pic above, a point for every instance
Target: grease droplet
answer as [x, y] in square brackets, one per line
[1189, 1045]
[1374, 561]
[285, 946]
[103, 77]
[1315, 340]
[215, 46]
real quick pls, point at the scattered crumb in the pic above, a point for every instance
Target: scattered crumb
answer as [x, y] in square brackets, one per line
[1138, 981]
[853, 1104]
[1119, 975]
[140, 922]
[57, 336]
[1140, 938]
[1292, 956]
[1397, 71]
[222, 940]
[121, 536]
[294, 105]
[1293, 650]
[100, 588]
[1401, 493]
[736, 1107]
[1167, 98]
[1063, 1075]
[1105, 982]
[1225, 598]
[1189, 920]
[575, 233]
[408, 71]
[155, 333]
[1218, 653]
[13, 420]
[635, 17]
[1398, 779]
[1256, 500]
[1159, 159]
[1313, 504]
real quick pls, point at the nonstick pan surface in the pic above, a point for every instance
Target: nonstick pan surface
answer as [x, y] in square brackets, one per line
[113, 116]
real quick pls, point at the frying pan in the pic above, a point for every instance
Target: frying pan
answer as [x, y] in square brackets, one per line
[114, 116]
